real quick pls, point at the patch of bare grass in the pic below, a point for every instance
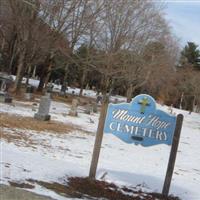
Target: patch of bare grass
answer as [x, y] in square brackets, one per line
[20, 122]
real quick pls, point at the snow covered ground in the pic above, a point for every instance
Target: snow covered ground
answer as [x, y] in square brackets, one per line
[53, 157]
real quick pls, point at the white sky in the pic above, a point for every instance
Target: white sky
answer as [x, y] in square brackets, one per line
[184, 18]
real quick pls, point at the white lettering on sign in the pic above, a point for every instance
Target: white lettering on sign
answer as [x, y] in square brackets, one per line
[122, 115]
[150, 120]
[138, 131]
[156, 122]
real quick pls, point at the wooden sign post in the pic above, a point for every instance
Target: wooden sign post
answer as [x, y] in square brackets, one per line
[98, 140]
[173, 154]
[139, 122]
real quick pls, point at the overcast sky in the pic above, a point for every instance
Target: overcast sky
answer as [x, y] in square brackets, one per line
[184, 18]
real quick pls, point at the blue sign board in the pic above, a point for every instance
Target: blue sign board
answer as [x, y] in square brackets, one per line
[139, 122]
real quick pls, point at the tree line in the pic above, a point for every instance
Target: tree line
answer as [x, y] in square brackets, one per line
[123, 46]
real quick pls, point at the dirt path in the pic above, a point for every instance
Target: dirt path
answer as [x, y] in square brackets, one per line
[12, 193]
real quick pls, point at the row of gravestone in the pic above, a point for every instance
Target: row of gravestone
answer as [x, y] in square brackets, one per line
[45, 103]
[6, 80]
[5, 83]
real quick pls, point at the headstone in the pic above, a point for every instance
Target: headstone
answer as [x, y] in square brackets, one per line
[34, 106]
[29, 92]
[5, 97]
[91, 121]
[57, 81]
[43, 111]
[49, 89]
[73, 92]
[99, 99]
[196, 108]
[74, 107]
[63, 89]
[95, 107]
[88, 109]
[5, 82]
[87, 87]
[34, 72]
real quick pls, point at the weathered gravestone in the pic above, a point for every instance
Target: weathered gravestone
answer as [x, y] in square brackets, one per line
[5, 82]
[140, 122]
[95, 107]
[49, 89]
[43, 111]
[29, 92]
[88, 109]
[73, 92]
[74, 108]
[63, 89]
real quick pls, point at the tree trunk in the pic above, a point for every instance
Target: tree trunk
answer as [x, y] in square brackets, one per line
[192, 105]
[104, 84]
[65, 76]
[42, 80]
[34, 72]
[20, 72]
[181, 101]
[12, 53]
[129, 93]
[28, 75]
[43, 75]
[48, 74]
[82, 82]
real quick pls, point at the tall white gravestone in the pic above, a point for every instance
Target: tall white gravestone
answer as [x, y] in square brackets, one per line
[43, 111]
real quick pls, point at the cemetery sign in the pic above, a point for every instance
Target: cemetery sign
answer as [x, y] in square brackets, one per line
[140, 122]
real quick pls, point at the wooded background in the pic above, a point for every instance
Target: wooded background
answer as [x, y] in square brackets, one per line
[123, 47]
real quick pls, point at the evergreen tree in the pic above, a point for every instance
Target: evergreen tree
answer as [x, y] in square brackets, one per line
[191, 54]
